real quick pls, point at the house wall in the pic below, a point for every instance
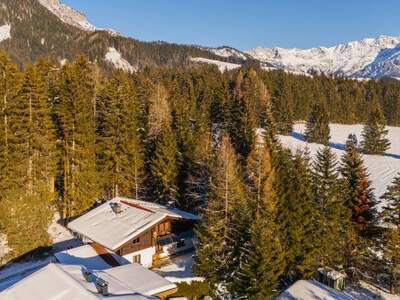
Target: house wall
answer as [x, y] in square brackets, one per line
[145, 245]
[146, 256]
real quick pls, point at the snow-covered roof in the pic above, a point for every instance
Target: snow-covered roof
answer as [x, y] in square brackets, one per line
[112, 230]
[312, 290]
[133, 276]
[59, 282]
[138, 278]
[87, 256]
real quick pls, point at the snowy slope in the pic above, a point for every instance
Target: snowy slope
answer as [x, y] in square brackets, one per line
[387, 63]
[222, 66]
[115, 58]
[228, 52]
[381, 169]
[345, 59]
[71, 16]
[5, 32]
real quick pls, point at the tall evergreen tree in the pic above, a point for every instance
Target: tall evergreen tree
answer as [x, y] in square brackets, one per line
[374, 132]
[10, 80]
[263, 257]
[242, 118]
[283, 106]
[30, 196]
[76, 118]
[216, 233]
[120, 151]
[391, 246]
[391, 211]
[391, 255]
[197, 181]
[358, 193]
[164, 167]
[331, 213]
[296, 213]
[317, 126]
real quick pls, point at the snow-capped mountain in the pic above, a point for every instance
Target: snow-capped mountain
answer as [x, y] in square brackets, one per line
[71, 16]
[226, 51]
[365, 58]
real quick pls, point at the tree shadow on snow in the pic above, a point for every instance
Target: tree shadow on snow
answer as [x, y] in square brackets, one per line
[337, 146]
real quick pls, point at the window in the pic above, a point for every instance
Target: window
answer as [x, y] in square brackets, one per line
[136, 241]
[136, 259]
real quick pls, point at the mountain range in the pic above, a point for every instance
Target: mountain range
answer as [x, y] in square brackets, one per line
[33, 28]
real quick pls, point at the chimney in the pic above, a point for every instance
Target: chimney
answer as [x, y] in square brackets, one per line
[116, 207]
[102, 286]
[87, 274]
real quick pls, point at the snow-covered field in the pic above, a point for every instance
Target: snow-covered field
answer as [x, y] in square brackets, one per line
[381, 169]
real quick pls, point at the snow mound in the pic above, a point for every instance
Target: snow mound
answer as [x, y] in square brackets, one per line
[381, 168]
[344, 59]
[222, 66]
[114, 57]
[5, 32]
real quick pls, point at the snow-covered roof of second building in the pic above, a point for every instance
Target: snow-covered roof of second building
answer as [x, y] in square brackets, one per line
[312, 290]
[133, 276]
[112, 230]
[87, 256]
[58, 282]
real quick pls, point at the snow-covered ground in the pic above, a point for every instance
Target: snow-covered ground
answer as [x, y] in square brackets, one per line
[381, 169]
[5, 32]
[114, 57]
[222, 66]
[62, 240]
[180, 270]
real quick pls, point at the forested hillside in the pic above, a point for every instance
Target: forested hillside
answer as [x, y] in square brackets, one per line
[72, 136]
[36, 32]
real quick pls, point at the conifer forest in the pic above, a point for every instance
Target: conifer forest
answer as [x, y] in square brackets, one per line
[76, 135]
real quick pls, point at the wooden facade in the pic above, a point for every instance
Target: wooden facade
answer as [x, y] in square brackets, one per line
[148, 238]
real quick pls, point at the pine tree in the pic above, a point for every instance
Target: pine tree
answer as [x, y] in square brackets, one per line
[164, 167]
[9, 87]
[374, 133]
[296, 213]
[216, 232]
[391, 211]
[391, 256]
[283, 106]
[262, 262]
[29, 200]
[332, 214]
[317, 126]
[76, 118]
[197, 181]
[391, 246]
[357, 190]
[10, 81]
[120, 152]
[242, 119]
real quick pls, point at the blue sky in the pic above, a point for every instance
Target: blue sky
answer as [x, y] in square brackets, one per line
[246, 24]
